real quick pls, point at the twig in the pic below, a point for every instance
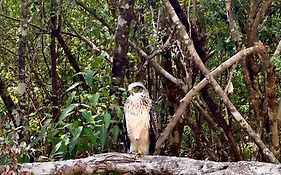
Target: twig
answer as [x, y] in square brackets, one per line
[8, 50]
[93, 12]
[278, 50]
[157, 66]
[155, 52]
[33, 25]
[187, 69]
[92, 45]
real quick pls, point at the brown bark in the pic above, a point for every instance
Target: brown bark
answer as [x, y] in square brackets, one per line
[130, 164]
[54, 98]
[10, 105]
[250, 70]
[120, 62]
[270, 102]
[199, 46]
[199, 41]
[173, 93]
[277, 52]
[22, 117]
[263, 106]
[232, 24]
[23, 41]
[219, 119]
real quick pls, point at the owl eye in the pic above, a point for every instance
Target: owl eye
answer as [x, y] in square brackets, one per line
[138, 89]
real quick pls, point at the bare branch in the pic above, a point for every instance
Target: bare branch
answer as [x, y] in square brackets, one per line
[92, 45]
[154, 53]
[260, 16]
[93, 12]
[278, 50]
[33, 25]
[8, 50]
[156, 65]
[232, 24]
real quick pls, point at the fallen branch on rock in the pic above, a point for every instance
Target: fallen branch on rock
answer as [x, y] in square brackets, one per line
[128, 163]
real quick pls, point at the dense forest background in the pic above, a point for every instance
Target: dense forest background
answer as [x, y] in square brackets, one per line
[65, 66]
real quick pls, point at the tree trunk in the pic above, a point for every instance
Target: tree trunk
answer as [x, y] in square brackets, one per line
[22, 119]
[128, 163]
[173, 95]
[263, 106]
[54, 98]
[120, 62]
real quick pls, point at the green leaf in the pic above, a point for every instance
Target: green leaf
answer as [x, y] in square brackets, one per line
[73, 86]
[119, 112]
[95, 99]
[107, 118]
[87, 106]
[5, 159]
[24, 158]
[70, 98]
[115, 132]
[55, 149]
[42, 132]
[92, 136]
[88, 116]
[103, 137]
[75, 138]
[66, 112]
[89, 78]
[63, 148]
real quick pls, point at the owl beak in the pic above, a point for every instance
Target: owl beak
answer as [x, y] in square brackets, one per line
[132, 92]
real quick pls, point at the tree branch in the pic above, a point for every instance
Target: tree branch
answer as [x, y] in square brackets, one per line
[33, 25]
[91, 44]
[232, 24]
[12, 108]
[93, 12]
[278, 50]
[156, 65]
[71, 58]
[260, 16]
[128, 163]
